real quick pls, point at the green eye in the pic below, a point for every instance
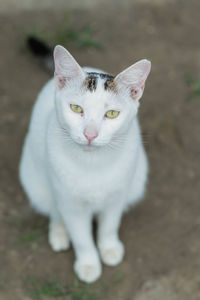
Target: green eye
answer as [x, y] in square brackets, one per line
[112, 114]
[76, 108]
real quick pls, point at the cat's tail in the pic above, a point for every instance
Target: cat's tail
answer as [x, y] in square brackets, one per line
[42, 51]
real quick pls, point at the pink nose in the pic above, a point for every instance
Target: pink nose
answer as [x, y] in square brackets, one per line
[90, 135]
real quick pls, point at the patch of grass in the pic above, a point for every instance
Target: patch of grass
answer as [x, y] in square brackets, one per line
[32, 237]
[82, 291]
[189, 78]
[28, 238]
[35, 231]
[194, 85]
[81, 38]
[14, 219]
[38, 290]
[40, 33]
[76, 290]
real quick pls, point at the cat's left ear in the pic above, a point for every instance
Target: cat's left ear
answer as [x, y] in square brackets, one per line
[66, 67]
[133, 78]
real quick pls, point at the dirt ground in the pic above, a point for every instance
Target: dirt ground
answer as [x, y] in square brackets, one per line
[162, 234]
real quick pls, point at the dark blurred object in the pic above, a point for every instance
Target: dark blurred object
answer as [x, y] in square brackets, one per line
[38, 47]
[41, 50]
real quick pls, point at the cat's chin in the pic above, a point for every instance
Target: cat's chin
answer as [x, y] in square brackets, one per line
[89, 147]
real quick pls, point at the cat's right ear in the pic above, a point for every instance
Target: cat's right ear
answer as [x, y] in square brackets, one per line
[133, 78]
[66, 67]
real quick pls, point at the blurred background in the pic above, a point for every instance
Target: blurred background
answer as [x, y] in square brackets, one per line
[162, 234]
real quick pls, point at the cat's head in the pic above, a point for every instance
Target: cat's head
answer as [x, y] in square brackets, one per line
[95, 108]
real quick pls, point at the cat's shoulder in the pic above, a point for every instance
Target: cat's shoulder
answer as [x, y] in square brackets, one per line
[49, 87]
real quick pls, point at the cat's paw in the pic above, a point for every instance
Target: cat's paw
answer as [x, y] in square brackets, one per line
[88, 271]
[58, 237]
[112, 253]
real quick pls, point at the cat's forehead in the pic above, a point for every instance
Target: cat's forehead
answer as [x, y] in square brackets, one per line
[95, 80]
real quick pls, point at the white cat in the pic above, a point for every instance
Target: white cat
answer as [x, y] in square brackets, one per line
[83, 158]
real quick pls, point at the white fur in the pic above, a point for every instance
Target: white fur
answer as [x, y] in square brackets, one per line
[71, 181]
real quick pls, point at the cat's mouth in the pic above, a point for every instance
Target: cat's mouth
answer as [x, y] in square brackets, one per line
[91, 146]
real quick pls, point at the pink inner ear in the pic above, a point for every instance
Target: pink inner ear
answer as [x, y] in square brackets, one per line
[134, 93]
[61, 81]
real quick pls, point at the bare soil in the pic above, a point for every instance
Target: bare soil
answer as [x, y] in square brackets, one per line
[162, 234]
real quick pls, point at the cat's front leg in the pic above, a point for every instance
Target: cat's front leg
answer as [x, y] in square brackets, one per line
[110, 247]
[58, 235]
[79, 225]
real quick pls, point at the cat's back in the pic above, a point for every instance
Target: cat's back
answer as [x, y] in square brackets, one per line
[42, 109]
[43, 106]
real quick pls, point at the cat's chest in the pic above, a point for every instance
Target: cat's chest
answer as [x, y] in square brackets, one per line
[88, 183]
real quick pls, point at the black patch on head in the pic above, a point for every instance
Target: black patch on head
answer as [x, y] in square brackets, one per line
[109, 84]
[91, 82]
[92, 79]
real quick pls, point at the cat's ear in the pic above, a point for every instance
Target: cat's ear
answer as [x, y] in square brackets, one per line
[133, 78]
[66, 67]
